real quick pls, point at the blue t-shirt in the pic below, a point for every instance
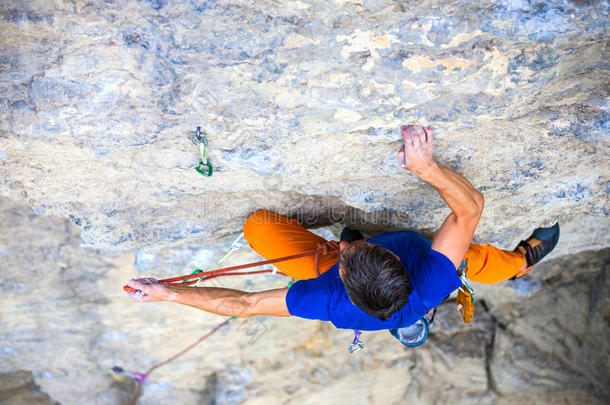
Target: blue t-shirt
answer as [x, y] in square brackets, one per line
[433, 276]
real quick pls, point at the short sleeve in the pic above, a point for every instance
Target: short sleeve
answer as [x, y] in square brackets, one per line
[436, 278]
[309, 299]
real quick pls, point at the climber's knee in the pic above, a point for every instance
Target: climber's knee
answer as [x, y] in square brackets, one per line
[253, 224]
[264, 226]
[257, 217]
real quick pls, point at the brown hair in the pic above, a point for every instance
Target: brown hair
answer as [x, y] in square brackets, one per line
[375, 279]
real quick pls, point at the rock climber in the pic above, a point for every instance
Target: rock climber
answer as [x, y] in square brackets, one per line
[389, 281]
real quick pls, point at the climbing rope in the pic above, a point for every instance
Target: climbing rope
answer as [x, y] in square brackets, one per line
[140, 378]
[198, 276]
[190, 279]
[235, 246]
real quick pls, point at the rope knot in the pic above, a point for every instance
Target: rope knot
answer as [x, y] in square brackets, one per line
[324, 248]
[327, 247]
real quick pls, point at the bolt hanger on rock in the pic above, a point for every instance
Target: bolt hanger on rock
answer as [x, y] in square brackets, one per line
[199, 138]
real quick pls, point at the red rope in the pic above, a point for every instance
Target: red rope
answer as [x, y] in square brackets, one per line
[323, 248]
[138, 391]
[204, 277]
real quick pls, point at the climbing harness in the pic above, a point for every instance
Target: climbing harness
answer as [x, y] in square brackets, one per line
[204, 167]
[465, 296]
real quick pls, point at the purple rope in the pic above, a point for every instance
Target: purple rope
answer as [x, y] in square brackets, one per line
[356, 337]
[139, 377]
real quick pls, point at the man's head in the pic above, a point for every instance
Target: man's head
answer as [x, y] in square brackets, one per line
[374, 278]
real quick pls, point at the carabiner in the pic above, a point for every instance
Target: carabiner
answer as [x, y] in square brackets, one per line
[356, 345]
[205, 169]
[199, 138]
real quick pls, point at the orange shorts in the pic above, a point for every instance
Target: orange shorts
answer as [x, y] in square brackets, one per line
[272, 236]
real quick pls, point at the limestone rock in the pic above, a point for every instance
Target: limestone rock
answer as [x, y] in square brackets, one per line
[18, 388]
[65, 322]
[302, 102]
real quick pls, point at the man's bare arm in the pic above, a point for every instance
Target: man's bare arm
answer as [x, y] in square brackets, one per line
[220, 301]
[455, 235]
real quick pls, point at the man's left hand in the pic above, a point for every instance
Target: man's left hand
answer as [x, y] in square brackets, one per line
[148, 290]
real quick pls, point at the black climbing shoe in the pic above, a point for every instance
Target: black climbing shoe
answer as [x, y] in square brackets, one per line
[350, 235]
[538, 245]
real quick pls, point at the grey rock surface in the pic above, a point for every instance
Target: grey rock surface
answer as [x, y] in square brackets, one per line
[65, 322]
[302, 102]
[18, 388]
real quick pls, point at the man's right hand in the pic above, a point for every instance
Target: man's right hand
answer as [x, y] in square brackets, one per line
[455, 235]
[416, 153]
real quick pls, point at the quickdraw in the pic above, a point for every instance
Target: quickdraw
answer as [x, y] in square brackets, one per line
[235, 246]
[465, 295]
[356, 345]
[137, 377]
[204, 167]
[465, 283]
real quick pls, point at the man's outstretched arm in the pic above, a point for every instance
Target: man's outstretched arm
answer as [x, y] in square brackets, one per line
[220, 301]
[466, 203]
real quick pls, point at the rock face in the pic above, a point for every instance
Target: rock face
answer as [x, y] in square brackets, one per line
[543, 340]
[18, 388]
[302, 102]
